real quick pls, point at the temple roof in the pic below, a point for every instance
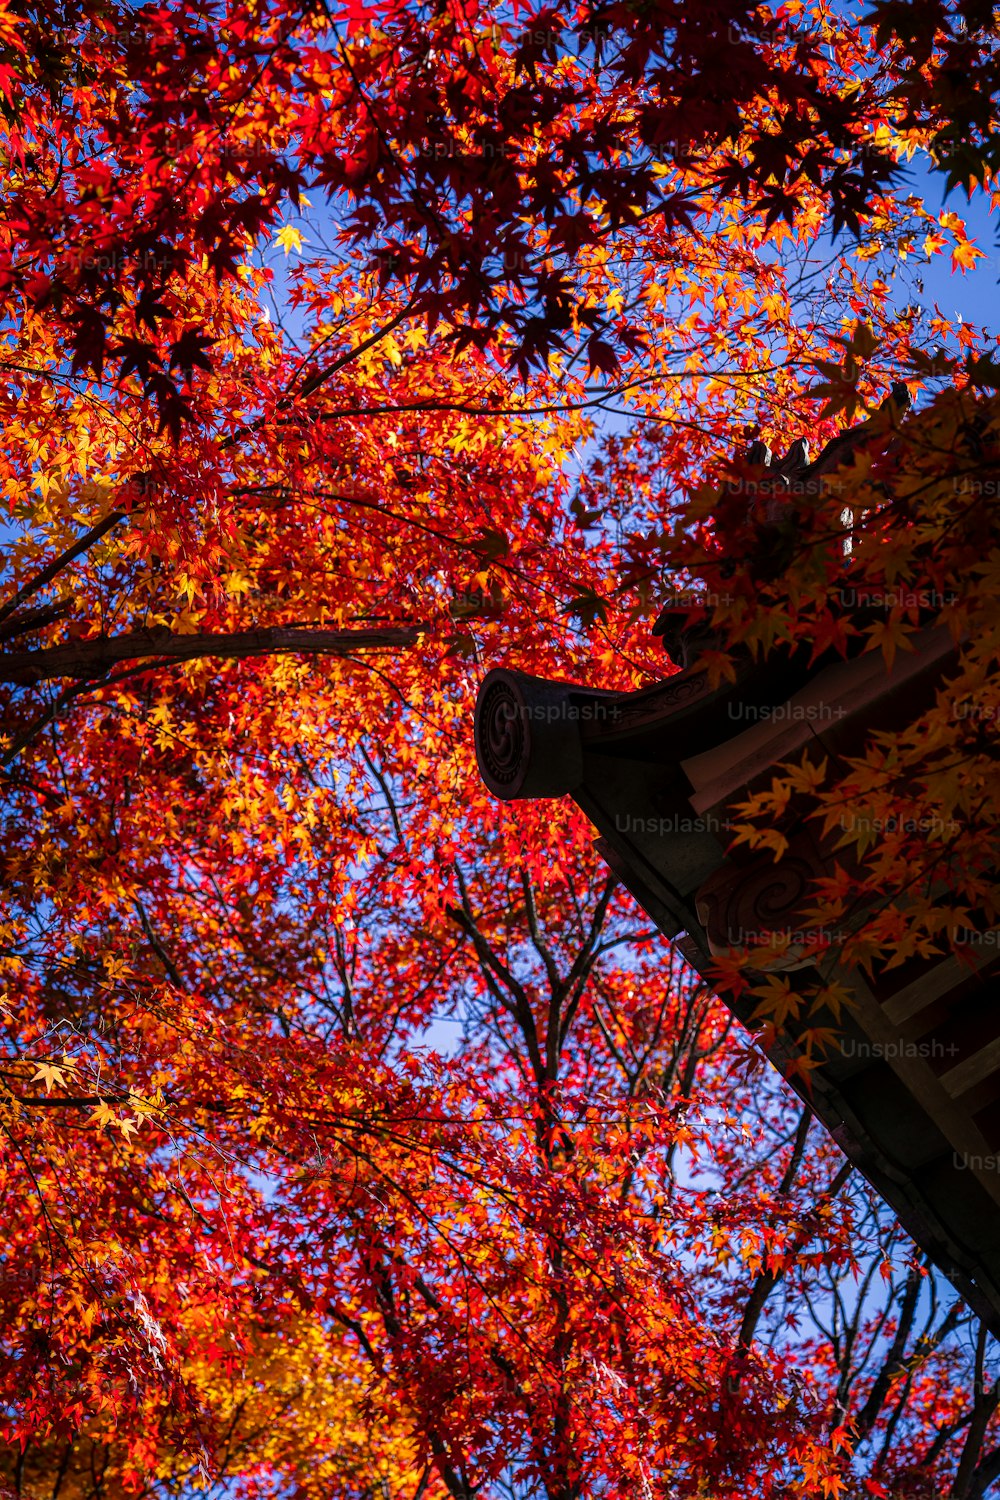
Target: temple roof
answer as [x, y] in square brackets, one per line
[911, 1091]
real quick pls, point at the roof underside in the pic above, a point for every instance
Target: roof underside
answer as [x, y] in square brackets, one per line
[912, 1096]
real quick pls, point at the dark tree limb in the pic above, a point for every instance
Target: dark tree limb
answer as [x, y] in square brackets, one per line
[768, 1280]
[94, 658]
[64, 559]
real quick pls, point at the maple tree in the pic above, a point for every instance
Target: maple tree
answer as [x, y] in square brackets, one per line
[260, 1233]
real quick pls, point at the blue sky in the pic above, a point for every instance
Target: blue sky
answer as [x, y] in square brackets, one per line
[974, 295]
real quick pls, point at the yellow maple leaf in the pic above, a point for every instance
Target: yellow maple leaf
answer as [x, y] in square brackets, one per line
[49, 1075]
[965, 255]
[103, 1116]
[890, 634]
[289, 238]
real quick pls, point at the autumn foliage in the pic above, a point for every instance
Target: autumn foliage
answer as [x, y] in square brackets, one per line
[359, 1136]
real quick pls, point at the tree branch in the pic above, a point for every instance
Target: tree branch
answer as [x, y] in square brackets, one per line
[62, 561]
[94, 658]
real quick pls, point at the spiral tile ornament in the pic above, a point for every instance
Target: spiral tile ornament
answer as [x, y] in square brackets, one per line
[528, 736]
[501, 738]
